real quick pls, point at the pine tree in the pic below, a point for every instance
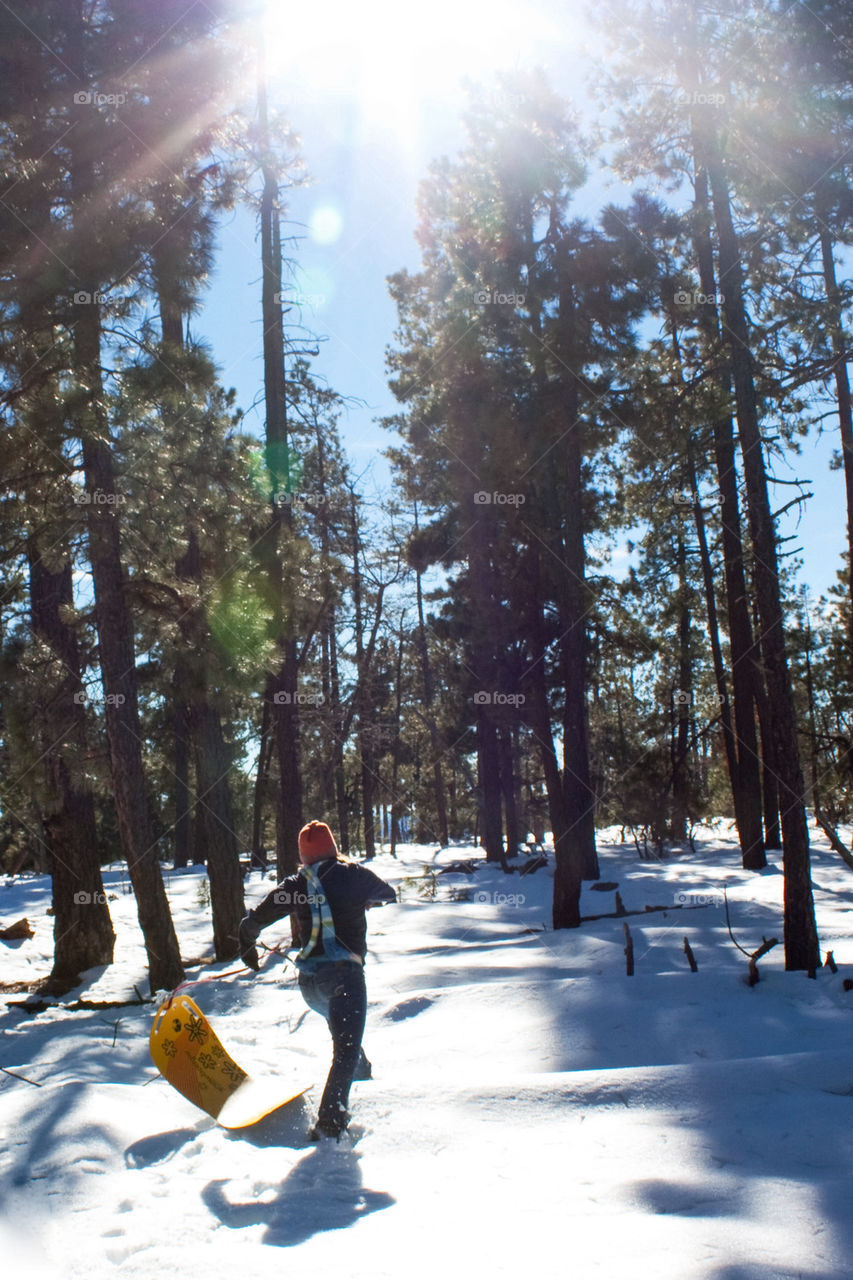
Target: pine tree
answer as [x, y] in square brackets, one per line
[697, 67]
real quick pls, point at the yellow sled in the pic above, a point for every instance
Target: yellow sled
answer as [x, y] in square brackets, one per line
[187, 1051]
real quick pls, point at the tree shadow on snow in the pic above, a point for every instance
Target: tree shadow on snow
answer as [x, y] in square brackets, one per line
[686, 1200]
[323, 1192]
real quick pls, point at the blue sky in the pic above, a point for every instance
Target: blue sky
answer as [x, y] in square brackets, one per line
[374, 100]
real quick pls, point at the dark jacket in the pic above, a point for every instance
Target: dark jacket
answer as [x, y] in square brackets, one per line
[349, 888]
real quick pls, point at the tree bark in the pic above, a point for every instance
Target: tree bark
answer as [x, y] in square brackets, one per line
[845, 408]
[573, 599]
[115, 628]
[746, 677]
[432, 727]
[214, 795]
[508, 788]
[259, 853]
[282, 687]
[82, 929]
[567, 879]
[680, 780]
[181, 758]
[801, 941]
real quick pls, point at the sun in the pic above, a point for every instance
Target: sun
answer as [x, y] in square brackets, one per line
[395, 63]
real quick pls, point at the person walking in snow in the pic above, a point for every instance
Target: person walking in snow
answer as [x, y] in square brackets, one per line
[327, 900]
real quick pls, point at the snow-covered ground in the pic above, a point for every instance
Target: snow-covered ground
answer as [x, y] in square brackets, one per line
[534, 1109]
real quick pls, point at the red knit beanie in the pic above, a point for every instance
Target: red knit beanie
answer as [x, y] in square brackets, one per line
[316, 842]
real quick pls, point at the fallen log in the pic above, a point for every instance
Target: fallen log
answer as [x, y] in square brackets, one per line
[76, 1006]
[20, 929]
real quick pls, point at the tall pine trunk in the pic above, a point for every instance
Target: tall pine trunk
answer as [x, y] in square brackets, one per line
[215, 832]
[282, 684]
[484, 632]
[680, 746]
[509, 789]
[432, 727]
[573, 602]
[213, 761]
[838, 339]
[193, 693]
[181, 768]
[112, 613]
[82, 929]
[801, 942]
[567, 883]
[746, 677]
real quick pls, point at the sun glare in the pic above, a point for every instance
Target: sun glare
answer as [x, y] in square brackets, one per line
[393, 62]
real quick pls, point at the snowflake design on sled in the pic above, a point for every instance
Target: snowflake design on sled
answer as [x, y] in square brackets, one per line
[169, 1048]
[233, 1072]
[207, 1061]
[196, 1030]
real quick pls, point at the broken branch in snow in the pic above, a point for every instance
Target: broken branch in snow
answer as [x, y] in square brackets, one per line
[629, 951]
[767, 945]
[691, 959]
[838, 845]
[25, 1079]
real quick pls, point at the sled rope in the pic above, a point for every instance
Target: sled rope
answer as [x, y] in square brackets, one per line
[229, 973]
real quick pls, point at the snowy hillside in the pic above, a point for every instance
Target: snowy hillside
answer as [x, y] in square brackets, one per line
[534, 1109]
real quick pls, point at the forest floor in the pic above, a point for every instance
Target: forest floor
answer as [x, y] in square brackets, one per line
[534, 1109]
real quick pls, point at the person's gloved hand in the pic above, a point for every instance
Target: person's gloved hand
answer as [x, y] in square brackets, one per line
[248, 950]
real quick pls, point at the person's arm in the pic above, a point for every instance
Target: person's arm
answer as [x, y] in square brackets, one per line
[275, 906]
[376, 891]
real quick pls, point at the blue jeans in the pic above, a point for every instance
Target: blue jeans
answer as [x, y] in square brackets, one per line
[336, 990]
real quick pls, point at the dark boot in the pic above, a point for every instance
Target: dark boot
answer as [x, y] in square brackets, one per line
[364, 1069]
